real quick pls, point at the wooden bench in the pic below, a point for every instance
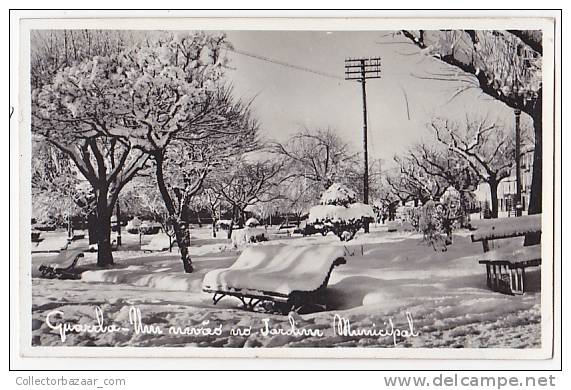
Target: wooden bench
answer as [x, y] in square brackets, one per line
[36, 236]
[505, 268]
[280, 278]
[63, 265]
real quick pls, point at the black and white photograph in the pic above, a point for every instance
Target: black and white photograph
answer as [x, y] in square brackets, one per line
[217, 189]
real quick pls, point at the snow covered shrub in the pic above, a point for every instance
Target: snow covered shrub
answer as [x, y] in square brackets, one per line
[409, 217]
[338, 195]
[242, 237]
[459, 205]
[432, 225]
[452, 202]
[339, 209]
[252, 222]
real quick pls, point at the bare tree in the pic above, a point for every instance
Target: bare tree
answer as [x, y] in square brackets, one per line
[443, 163]
[316, 155]
[386, 203]
[505, 65]
[414, 181]
[212, 200]
[488, 149]
[248, 183]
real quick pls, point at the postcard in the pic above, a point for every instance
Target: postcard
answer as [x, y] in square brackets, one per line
[287, 187]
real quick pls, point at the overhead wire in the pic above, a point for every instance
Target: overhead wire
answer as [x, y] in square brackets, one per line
[283, 63]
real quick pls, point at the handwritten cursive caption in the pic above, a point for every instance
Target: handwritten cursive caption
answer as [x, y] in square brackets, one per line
[340, 326]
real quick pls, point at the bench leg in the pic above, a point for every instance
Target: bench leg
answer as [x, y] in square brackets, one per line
[488, 276]
[217, 297]
[517, 280]
[485, 246]
[501, 278]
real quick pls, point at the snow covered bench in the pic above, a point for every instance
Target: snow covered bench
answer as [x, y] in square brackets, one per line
[248, 235]
[287, 277]
[51, 244]
[159, 243]
[63, 265]
[505, 269]
[77, 236]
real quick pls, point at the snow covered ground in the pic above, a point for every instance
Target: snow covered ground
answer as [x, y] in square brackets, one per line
[387, 275]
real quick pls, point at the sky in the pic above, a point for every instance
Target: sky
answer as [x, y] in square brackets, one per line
[287, 99]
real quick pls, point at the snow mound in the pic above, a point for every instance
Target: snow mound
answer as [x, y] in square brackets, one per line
[247, 235]
[252, 222]
[277, 268]
[51, 244]
[159, 242]
[333, 213]
[133, 224]
[164, 279]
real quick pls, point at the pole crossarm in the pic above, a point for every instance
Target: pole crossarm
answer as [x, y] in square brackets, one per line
[362, 68]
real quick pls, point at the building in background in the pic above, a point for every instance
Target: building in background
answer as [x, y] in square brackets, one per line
[507, 188]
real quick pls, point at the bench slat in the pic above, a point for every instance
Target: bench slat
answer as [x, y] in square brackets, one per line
[530, 255]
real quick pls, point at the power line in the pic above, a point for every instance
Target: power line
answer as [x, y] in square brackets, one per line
[282, 63]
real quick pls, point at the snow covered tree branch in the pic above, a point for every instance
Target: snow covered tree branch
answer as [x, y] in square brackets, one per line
[506, 65]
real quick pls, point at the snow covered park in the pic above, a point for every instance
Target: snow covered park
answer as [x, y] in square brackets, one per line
[252, 214]
[388, 278]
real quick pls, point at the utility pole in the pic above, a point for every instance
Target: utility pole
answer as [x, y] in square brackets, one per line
[518, 205]
[361, 69]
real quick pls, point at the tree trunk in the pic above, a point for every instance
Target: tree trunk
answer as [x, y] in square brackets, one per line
[69, 228]
[536, 179]
[493, 183]
[181, 232]
[241, 219]
[92, 228]
[104, 249]
[104, 211]
[182, 235]
[213, 227]
[232, 217]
